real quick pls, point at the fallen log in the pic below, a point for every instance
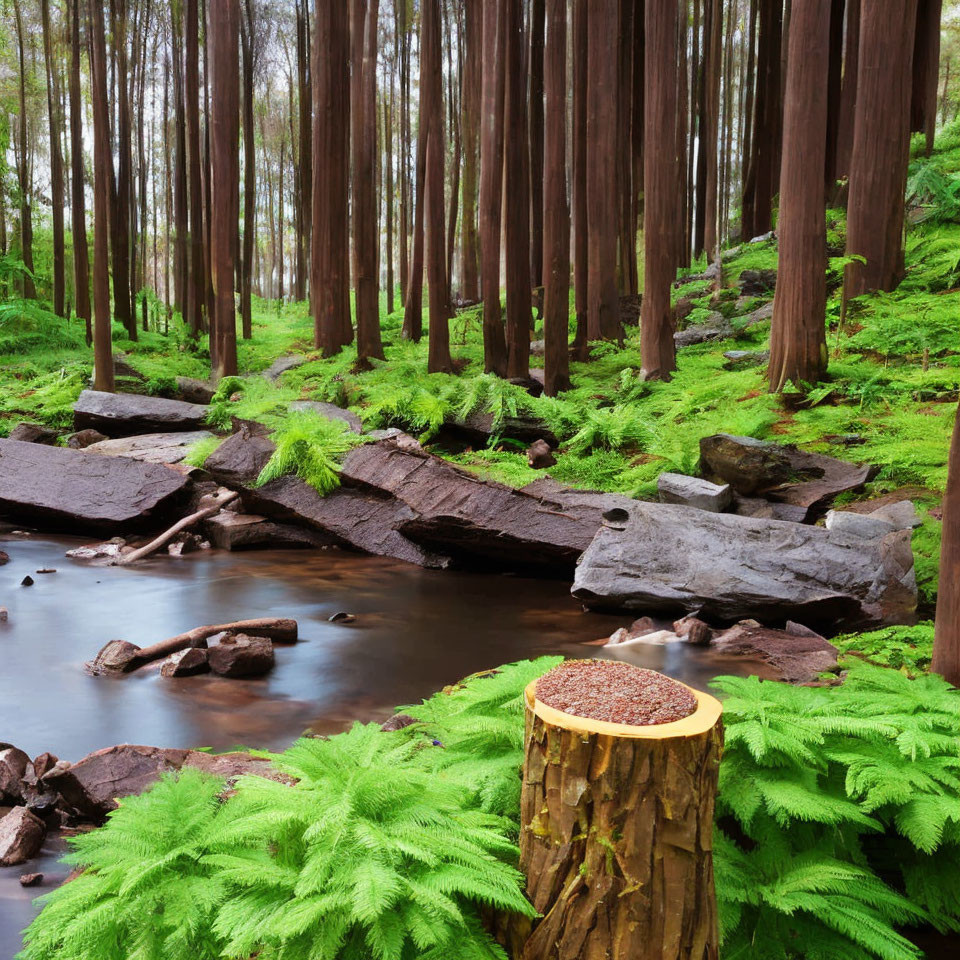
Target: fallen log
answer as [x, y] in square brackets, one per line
[617, 818]
[119, 656]
[221, 499]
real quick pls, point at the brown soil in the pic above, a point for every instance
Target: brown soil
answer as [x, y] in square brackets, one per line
[615, 692]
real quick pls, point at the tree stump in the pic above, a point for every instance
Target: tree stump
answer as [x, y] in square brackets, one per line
[617, 826]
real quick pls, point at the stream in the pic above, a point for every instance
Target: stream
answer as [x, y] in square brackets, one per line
[415, 631]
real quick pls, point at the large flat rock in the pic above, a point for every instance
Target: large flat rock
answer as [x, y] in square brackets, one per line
[72, 490]
[151, 447]
[129, 414]
[662, 557]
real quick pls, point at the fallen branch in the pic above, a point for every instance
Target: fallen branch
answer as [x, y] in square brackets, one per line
[118, 656]
[222, 498]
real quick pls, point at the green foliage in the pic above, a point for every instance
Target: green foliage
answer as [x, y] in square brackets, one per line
[908, 649]
[198, 453]
[935, 192]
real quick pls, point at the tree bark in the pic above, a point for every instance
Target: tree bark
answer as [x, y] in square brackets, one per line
[946, 643]
[223, 32]
[81, 256]
[881, 143]
[798, 349]
[304, 121]
[249, 175]
[926, 71]
[470, 125]
[120, 201]
[581, 237]
[556, 219]
[660, 190]
[626, 238]
[616, 832]
[834, 95]
[56, 160]
[537, 14]
[29, 289]
[196, 283]
[848, 88]
[103, 171]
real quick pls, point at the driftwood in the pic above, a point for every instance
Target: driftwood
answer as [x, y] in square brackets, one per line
[616, 835]
[222, 498]
[118, 656]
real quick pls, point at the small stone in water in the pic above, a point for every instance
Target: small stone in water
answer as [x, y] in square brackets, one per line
[27, 581]
[4, 614]
[30, 879]
[342, 617]
[615, 693]
[47, 570]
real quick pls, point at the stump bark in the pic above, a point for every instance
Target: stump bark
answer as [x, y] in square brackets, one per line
[616, 839]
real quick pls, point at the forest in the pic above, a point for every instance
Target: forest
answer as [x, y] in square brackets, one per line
[479, 479]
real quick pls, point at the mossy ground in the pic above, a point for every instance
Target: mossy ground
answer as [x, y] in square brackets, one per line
[889, 398]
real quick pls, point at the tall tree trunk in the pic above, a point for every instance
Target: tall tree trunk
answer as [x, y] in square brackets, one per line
[103, 175]
[926, 70]
[798, 348]
[537, 21]
[56, 159]
[363, 116]
[713, 42]
[120, 211]
[454, 91]
[626, 241]
[180, 214]
[660, 185]
[516, 187]
[556, 221]
[249, 174]
[196, 282]
[223, 32]
[636, 134]
[329, 282]
[389, 199]
[403, 152]
[581, 237]
[848, 88]
[834, 94]
[491, 185]
[470, 128]
[603, 301]
[29, 289]
[413, 304]
[881, 143]
[304, 120]
[946, 642]
[81, 256]
[431, 114]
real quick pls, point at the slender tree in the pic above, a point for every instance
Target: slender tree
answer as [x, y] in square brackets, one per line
[103, 175]
[56, 159]
[848, 91]
[659, 189]
[537, 12]
[223, 32]
[120, 197]
[81, 261]
[926, 70]
[798, 349]
[470, 125]
[23, 168]
[556, 214]
[881, 143]
[578, 125]
[196, 282]
[249, 173]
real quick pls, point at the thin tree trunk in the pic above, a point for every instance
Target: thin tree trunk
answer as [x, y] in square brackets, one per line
[388, 156]
[798, 349]
[305, 117]
[581, 235]
[29, 289]
[413, 304]
[470, 130]
[625, 238]
[81, 256]
[926, 71]
[848, 89]
[249, 173]
[180, 215]
[56, 160]
[196, 282]
[121, 212]
[537, 15]
[834, 93]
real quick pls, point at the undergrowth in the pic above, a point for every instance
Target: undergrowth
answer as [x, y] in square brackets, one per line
[838, 825]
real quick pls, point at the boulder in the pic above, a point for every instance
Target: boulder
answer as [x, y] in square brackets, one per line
[31, 879]
[13, 769]
[191, 390]
[662, 557]
[693, 492]
[331, 411]
[767, 510]
[797, 655]
[33, 433]
[105, 552]
[21, 836]
[237, 655]
[366, 521]
[757, 283]
[185, 663]
[130, 414]
[90, 787]
[715, 327]
[84, 438]
[151, 447]
[478, 429]
[739, 359]
[865, 525]
[694, 631]
[69, 489]
[245, 531]
[282, 364]
[760, 316]
[540, 455]
[779, 472]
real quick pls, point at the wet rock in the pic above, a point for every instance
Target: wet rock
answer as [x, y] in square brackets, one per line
[715, 327]
[238, 655]
[331, 411]
[27, 581]
[191, 390]
[740, 359]
[4, 614]
[130, 414]
[757, 283]
[151, 447]
[31, 879]
[621, 640]
[694, 631]
[107, 551]
[71, 490]
[797, 657]
[693, 492]
[399, 721]
[662, 557]
[43, 763]
[540, 455]
[33, 433]
[84, 438]
[229, 530]
[364, 520]
[185, 663]
[116, 656]
[13, 768]
[90, 788]
[4, 558]
[341, 617]
[779, 472]
[186, 543]
[282, 364]
[21, 837]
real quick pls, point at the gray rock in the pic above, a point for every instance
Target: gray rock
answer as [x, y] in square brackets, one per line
[238, 655]
[21, 836]
[661, 557]
[185, 663]
[739, 359]
[715, 327]
[331, 411]
[693, 492]
[84, 438]
[282, 364]
[151, 447]
[763, 237]
[229, 530]
[760, 316]
[864, 525]
[130, 414]
[798, 656]
[192, 390]
[902, 515]
[767, 509]
[33, 433]
[71, 490]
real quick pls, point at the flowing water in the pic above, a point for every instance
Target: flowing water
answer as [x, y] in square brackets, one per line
[415, 631]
